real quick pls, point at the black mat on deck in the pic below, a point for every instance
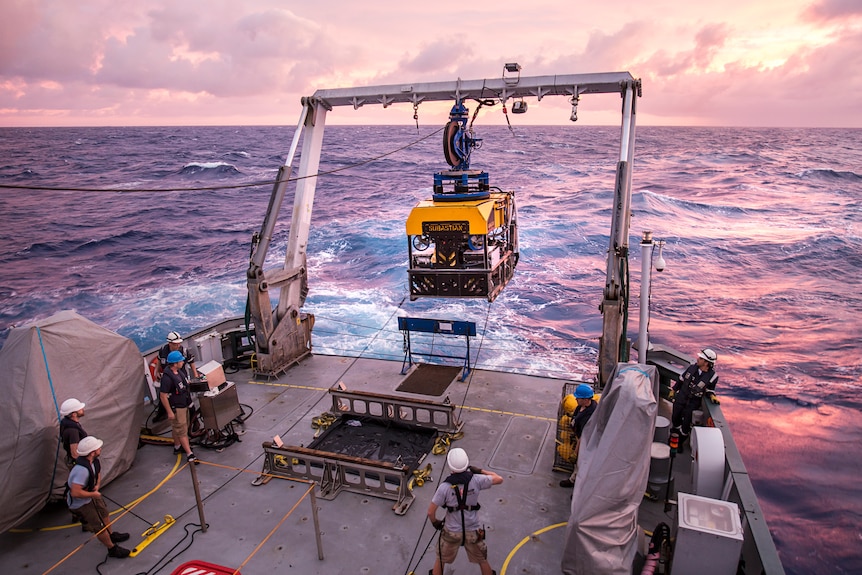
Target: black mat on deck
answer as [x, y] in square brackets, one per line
[371, 438]
[429, 379]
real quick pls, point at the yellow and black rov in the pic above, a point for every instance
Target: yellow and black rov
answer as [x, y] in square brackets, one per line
[463, 242]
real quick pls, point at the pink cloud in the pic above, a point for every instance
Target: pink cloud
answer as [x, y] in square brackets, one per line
[203, 61]
[834, 9]
[442, 54]
[183, 50]
[815, 87]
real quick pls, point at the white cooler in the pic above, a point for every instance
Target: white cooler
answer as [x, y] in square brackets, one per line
[708, 536]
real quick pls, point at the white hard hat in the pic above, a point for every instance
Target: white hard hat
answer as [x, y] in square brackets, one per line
[174, 337]
[88, 445]
[708, 355]
[71, 405]
[458, 460]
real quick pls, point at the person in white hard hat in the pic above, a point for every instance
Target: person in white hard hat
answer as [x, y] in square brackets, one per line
[459, 496]
[85, 500]
[71, 432]
[174, 343]
[697, 380]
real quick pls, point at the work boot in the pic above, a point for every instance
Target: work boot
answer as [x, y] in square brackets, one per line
[117, 537]
[118, 552]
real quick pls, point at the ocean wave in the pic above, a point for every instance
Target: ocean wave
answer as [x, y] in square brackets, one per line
[208, 169]
[25, 173]
[827, 174]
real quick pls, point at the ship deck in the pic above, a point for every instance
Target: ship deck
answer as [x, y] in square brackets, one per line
[509, 424]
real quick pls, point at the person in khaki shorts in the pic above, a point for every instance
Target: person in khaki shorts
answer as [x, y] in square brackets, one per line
[85, 500]
[459, 496]
[176, 397]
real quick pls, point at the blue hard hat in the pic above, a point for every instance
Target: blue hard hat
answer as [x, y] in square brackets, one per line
[584, 391]
[175, 357]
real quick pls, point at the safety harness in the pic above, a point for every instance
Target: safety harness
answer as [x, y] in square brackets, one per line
[95, 469]
[455, 480]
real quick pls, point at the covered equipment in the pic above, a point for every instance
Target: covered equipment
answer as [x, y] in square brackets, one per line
[613, 468]
[43, 365]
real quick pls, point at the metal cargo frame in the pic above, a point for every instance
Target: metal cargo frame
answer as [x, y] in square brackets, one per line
[336, 472]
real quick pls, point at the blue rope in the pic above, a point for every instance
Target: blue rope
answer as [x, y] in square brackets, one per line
[632, 368]
[56, 409]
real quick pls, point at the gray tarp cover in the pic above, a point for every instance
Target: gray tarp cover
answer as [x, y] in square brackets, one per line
[613, 467]
[85, 361]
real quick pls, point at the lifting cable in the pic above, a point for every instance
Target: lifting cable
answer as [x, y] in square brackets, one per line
[454, 436]
[320, 420]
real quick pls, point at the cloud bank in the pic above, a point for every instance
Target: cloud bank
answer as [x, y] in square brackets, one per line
[95, 62]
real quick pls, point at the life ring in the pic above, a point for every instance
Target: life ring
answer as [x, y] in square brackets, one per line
[152, 367]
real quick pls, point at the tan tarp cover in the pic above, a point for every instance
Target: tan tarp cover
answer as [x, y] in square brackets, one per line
[613, 468]
[42, 365]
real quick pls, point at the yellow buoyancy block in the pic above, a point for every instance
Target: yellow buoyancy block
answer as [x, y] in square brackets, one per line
[570, 404]
[566, 450]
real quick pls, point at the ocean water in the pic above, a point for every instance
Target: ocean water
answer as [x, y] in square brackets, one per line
[763, 232]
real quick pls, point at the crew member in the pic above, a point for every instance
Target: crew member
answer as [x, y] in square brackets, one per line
[71, 432]
[85, 500]
[174, 343]
[697, 380]
[459, 496]
[176, 398]
[580, 416]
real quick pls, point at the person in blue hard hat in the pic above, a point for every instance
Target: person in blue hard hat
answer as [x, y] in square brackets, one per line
[586, 406]
[174, 343]
[697, 380]
[176, 397]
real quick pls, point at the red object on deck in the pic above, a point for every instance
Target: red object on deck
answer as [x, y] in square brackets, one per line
[203, 568]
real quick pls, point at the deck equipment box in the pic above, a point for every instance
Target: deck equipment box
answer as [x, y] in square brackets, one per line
[214, 373]
[708, 536]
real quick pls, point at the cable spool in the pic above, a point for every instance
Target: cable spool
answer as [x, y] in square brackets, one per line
[707, 465]
[450, 148]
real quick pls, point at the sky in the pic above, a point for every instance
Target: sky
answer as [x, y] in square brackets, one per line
[786, 63]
